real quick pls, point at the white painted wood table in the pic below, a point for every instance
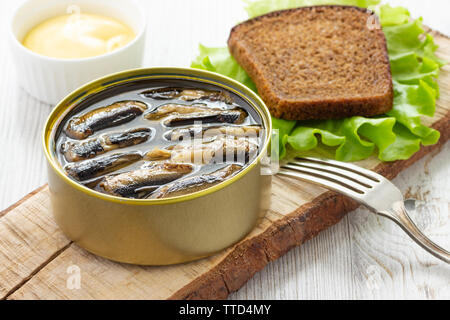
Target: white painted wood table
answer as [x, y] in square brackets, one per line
[363, 257]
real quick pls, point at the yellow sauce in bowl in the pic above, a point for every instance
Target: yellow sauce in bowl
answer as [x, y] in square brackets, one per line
[75, 36]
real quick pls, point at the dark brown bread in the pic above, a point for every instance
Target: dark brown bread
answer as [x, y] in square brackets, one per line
[318, 62]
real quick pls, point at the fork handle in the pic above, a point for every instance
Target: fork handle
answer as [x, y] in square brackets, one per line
[400, 216]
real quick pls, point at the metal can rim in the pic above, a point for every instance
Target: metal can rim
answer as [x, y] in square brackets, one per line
[95, 86]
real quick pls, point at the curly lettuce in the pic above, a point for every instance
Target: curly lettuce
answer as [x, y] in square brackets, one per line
[394, 136]
[260, 7]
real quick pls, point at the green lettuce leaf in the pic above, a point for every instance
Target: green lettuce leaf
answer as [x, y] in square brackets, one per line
[355, 138]
[260, 7]
[219, 60]
[392, 16]
[284, 128]
[395, 136]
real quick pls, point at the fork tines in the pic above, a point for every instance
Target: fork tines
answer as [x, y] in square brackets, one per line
[368, 188]
[342, 177]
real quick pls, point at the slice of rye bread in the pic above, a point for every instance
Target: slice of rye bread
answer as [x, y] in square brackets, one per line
[322, 62]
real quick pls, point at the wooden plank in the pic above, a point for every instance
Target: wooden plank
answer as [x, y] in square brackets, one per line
[29, 240]
[388, 265]
[36, 256]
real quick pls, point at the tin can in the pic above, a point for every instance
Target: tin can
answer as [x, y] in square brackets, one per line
[158, 231]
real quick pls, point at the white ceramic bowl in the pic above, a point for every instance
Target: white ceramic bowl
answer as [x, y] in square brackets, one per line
[51, 79]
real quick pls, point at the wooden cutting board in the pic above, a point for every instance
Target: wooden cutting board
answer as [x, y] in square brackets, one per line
[38, 262]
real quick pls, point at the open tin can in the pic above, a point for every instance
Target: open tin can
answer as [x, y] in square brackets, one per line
[158, 231]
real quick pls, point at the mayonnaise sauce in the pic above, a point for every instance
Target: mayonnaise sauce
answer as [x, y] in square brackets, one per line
[75, 36]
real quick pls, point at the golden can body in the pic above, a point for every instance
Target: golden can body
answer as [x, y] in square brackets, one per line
[158, 231]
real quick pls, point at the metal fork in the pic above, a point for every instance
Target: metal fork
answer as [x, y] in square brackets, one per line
[372, 190]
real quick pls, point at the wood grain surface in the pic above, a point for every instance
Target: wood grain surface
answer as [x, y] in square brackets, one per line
[362, 257]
